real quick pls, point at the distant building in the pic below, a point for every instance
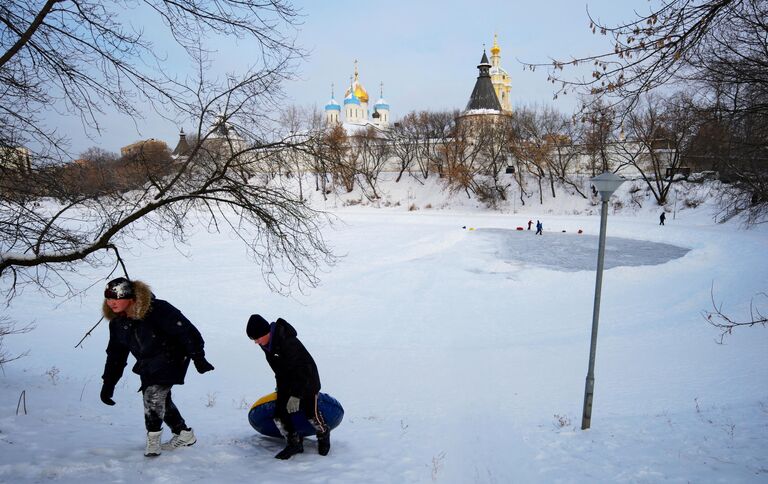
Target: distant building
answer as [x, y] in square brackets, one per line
[15, 158]
[148, 146]
[355, 112]
[182, 146]
[491, 94]
[483, 104]
[501, 80]
[222, 138]
[483, 99]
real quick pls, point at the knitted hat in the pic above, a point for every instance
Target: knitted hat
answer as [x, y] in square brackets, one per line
[257, 327]
[120, 288]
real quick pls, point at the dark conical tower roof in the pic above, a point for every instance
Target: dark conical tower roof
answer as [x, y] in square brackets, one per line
[182, 147]
[483, 95]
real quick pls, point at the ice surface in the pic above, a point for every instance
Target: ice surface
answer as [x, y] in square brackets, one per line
[577, 252]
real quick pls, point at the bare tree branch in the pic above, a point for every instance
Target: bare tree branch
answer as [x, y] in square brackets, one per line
[726, 324]
[56, 215]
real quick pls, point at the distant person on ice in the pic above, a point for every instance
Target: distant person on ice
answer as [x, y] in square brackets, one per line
[662, 218]
[298, 382]
[163, 342]
[539, 228]
[530, 222]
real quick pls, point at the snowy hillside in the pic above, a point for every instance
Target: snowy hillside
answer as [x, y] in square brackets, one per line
[457, 344]
[631, 199]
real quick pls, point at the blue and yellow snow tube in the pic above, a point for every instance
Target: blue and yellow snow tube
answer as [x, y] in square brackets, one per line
[263, 411]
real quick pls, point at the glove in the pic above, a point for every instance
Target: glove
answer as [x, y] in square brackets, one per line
[107, 391]
[202, 365]
[293, 405]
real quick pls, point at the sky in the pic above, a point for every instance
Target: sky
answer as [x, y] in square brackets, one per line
[425, 53]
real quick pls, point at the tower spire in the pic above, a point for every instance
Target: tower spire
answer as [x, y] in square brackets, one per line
[495, 51]
[483, 95]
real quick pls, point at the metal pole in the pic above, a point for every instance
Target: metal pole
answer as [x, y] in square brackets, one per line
[674, 210]
[589, 388]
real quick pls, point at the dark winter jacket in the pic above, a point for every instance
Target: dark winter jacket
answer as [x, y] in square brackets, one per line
[161, 339]
[295, 370]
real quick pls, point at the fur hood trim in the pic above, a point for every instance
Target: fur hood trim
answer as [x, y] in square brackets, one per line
[141, 304]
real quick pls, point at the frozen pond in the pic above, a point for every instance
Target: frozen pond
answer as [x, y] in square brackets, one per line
[577, 252]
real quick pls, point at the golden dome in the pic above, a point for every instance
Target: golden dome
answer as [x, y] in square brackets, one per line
[360, 92]
[495, 50]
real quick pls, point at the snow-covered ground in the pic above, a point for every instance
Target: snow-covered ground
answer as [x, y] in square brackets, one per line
[457, 344]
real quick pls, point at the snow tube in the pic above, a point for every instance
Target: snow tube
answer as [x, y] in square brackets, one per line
[261, 414]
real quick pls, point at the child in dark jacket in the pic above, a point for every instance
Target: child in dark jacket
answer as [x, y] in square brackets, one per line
[298, 382]
[163, 342]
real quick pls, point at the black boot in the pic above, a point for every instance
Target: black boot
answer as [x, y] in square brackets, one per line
[295, 446]
[324, 442]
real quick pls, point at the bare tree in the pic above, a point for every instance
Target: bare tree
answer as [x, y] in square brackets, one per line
[734, 139]
[460, 155]
[658, 133]
[671, 43]
[346, 158]
[435, 128]
[7, 328]
[375, 151]
[405, 142]
[519, 158]
[533, 146]
[78, 53]
[746, 195]
[598, 123]
[327, 150]
[494, 135]
[77, 56]
[564, 136]
[716, 49]
[306, 127]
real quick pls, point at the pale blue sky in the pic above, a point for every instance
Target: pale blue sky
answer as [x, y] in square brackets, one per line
[425, 53]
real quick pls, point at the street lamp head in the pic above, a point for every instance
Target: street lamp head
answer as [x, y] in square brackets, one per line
[606, 183]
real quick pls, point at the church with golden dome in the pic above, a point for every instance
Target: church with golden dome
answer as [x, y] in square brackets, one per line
[502, 82]
[355, 111]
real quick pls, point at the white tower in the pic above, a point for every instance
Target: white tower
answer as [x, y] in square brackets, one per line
[381, 110]
[356, 113]
[353, 110]
[502, 83]
[332, 110]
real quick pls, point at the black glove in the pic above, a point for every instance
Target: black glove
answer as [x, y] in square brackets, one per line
[202, 365]
[107, 390]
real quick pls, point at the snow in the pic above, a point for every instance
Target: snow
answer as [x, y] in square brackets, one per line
[457, 344]
[480, 111]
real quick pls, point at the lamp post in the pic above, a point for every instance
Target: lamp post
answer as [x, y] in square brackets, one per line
[606, 183]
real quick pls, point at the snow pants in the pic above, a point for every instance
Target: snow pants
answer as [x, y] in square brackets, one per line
[159, 408]
[307, 405]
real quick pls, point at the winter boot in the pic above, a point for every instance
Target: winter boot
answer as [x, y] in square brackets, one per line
[185, 438]
[295, 446]
[324, 442]
[153, 444]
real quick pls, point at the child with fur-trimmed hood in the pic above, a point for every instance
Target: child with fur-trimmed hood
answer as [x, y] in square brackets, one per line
[163, 342]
